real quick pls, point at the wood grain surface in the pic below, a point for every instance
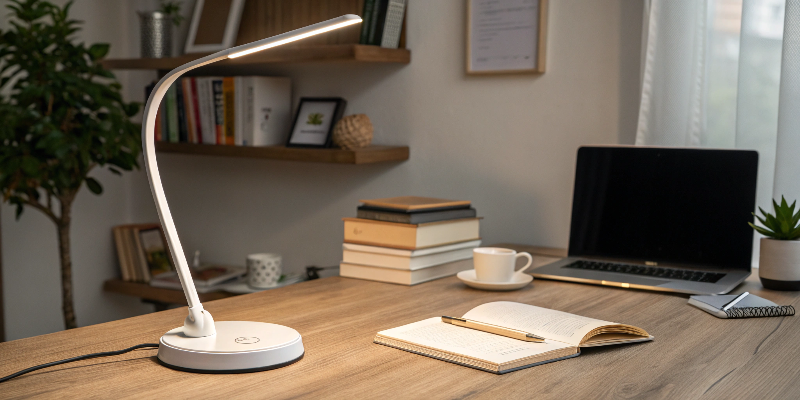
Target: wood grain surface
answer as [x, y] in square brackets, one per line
[693, 355]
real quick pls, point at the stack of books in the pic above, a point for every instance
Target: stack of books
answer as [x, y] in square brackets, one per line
[240, 110]
[409, 240]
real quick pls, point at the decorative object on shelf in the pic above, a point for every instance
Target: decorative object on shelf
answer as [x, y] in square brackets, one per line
[64, 115]
[353, 132]
[779, 260]
[201, 344]
[506, 36]
[314, 122]
[156, 29]
[214, 25]
[263, 270]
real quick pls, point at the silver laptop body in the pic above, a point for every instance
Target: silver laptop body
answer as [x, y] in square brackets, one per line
[664, 219]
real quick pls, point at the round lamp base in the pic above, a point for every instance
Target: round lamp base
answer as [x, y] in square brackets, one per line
[238, 346]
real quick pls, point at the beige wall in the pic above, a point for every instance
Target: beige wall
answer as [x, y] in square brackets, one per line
[505, 142]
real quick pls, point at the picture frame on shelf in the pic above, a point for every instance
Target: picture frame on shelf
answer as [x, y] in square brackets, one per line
[314, 121]
[214, 25]
[506, 36]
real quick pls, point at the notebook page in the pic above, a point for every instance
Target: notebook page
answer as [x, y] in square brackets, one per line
[434, 333]
[544, 322]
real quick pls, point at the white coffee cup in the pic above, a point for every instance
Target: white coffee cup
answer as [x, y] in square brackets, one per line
[263, 270]
[494, 264]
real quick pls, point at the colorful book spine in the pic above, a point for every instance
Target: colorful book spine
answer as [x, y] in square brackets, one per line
[366, 16]
[180, 108]
[196, 110]
[219, 110]
[158, 124]
[188, 96]
[229, 106]
[376, 25]
[172, 114]
[393, 24]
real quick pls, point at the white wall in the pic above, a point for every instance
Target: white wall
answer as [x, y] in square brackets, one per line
[505, 142]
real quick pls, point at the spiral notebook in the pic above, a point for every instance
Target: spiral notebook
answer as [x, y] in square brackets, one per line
[751, 306]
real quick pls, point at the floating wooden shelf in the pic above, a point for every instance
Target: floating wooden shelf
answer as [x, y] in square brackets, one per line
[367, 155]
[324, 53]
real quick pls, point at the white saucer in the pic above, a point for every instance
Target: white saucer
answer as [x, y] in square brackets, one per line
[519, 282]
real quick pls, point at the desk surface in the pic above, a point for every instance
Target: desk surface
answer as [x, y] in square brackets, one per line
[694, 353]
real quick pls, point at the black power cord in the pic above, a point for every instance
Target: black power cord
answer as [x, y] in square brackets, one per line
[78, 358]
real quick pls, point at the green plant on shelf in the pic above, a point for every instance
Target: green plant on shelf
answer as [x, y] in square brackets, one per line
[784, 225]
[173, 10]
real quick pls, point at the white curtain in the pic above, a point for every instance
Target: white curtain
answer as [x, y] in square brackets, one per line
[725, 74]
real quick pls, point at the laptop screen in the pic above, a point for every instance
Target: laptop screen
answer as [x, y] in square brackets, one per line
[666, 205]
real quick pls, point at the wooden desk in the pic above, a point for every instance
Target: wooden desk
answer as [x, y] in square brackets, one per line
[694, 354]
[160, 297]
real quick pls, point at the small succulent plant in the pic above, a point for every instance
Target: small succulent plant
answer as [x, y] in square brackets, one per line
[781, 226]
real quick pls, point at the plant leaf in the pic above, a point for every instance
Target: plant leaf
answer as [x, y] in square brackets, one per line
[94, 186]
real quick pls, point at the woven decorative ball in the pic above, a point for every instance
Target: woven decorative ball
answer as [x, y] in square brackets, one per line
[353, 132]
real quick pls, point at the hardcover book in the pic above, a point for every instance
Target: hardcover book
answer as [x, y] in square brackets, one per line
[407, 259]
[403, 276]
[415, 203]
[388, 215]
[410, 237]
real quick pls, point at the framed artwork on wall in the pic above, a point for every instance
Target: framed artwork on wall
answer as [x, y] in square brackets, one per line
[314, 121]
[214, 26]
[506, 36]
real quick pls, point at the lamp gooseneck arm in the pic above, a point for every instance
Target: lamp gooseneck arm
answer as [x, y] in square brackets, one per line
[199, 323]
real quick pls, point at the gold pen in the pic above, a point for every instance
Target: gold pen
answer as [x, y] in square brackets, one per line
[497, 330]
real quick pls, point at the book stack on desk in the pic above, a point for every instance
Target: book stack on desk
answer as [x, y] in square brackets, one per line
[409, 240]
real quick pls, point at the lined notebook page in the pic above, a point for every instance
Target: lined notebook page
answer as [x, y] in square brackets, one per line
[544, 322]
[434, 333]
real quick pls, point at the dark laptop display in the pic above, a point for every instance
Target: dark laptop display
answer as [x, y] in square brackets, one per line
[665, 205]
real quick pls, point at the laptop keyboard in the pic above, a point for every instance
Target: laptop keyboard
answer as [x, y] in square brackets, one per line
[642, 270]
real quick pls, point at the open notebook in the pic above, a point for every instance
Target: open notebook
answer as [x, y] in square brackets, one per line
[564, 335]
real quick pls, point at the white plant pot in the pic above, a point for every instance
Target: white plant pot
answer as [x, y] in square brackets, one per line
[779, 264]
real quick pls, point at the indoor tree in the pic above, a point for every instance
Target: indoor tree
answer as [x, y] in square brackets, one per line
[61, 115]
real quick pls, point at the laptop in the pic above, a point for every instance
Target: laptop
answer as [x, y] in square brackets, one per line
[665, 219]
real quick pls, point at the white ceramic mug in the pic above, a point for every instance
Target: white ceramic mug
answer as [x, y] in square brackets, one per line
[494, 264]
[263, 270]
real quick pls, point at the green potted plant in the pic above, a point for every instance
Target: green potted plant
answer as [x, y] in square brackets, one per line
[62, 116]
[779, 261]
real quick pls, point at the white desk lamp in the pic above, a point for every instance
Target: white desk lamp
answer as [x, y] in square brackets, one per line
[201, 345]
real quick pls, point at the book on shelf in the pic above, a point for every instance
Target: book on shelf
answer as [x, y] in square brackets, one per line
[385, 257]
[409, 236]
[565, 334]
[382, 22]
[414, 217]
[392, 24]
[171, 115]
[241, 110]
[206, 279]
[403, 276]
[141, 251]
[229, 109]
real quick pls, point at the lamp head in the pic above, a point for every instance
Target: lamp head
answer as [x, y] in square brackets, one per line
[298, 34]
